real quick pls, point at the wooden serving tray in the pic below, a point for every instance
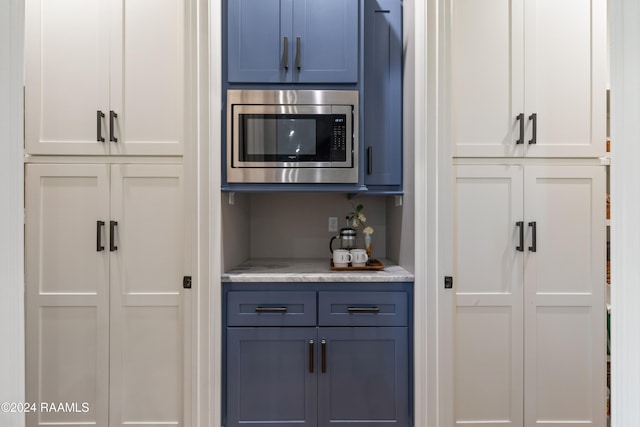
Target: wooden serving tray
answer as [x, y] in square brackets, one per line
[372, 264]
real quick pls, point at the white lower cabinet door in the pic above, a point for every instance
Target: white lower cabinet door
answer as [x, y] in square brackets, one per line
[107, 332]
[147, 306]
[67, 295]
[530, 302]
[488, 360]
[565, 335]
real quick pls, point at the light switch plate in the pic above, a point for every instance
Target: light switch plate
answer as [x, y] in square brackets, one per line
[333, 223]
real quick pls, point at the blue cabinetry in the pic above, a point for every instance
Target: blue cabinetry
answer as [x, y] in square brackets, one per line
[292, 41]
[349, 366]
[382, 93]
[269, 380]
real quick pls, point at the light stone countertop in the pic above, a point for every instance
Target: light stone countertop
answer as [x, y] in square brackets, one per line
[311, 270]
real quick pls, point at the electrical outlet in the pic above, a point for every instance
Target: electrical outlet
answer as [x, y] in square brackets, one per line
[333, 223]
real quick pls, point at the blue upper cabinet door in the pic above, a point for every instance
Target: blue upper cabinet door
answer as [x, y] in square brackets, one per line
[325, 41]
[382, 106]
[259, 40]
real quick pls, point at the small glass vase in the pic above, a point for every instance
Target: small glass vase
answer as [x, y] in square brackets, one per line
[367, 244]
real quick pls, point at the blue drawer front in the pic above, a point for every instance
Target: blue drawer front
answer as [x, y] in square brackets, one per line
[362, 309]
[271, 308]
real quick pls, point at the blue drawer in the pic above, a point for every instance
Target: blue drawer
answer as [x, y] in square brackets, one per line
[362, 309]
[271, 308]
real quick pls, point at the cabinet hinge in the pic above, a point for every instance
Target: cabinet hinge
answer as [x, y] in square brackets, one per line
[448, 282]
[186, 282]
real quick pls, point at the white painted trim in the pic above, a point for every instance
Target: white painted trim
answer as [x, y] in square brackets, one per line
[625, 211]
[211, 165]
[12, 387]
[207, 413]
[432, 226]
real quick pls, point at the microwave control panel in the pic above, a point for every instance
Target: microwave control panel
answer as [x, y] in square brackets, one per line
[339, 139]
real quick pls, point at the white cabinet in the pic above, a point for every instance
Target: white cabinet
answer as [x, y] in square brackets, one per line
[106, 313]
[530, 338]
[513, 59]
[104, 69]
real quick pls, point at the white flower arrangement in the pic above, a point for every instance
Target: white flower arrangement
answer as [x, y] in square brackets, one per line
[357, 218]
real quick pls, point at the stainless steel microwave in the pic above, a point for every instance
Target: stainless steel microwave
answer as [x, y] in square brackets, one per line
[292, 136]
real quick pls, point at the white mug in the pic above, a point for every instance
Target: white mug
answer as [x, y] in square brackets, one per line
[341, 258]
[360, 257]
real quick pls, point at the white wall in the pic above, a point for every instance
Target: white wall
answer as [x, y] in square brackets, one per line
[625, 212]
[11, 213]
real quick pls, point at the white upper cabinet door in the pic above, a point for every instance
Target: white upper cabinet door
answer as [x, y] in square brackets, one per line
[66, 77]
[566, 68]
[67, 292]
[565, 344]
[148, 315]
[147, 76]
[528, 78]
[488, 362]
[105, 77]
[486, 77]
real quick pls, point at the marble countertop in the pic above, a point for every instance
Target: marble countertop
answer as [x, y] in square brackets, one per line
[311, 270]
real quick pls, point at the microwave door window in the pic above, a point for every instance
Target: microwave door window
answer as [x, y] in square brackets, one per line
[296, 138]
[280, 138]
[258, 139]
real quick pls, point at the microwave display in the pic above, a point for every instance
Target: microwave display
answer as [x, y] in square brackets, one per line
[292, 138]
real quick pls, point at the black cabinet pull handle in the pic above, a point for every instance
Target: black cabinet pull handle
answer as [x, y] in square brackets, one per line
[520, 247]
[534, 117]
[363, 309]
[286, 52]
[370, 160]
[271, 309]
[112, 235]
[99, 117]
[534, 239]
[99, 225]
[520, 118]
[112, 117]
[323, 348]
[311, 356]
[298, 60]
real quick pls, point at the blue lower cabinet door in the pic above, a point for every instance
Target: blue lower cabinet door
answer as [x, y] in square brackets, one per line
[271, 377]
[364, 377]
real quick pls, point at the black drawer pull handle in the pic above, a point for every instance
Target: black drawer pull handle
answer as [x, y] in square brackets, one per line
[112, 117]
[271, 309]
[363, 309]
[285, 54]
[99, 116]
[534, 239]
[534, 137]
[369, 160]
[520, 118]
[520, 225]
[298, 62]
[311, 356]
[99, 246]
[112, 236]
[323, 348]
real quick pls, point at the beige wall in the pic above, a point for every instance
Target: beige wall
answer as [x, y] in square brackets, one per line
[293, 225]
